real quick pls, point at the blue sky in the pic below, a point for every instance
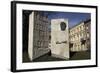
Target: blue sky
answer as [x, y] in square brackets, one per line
[73, 18]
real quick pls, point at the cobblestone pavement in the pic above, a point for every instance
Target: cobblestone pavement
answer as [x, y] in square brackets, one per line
[80, 55]
[73, 56]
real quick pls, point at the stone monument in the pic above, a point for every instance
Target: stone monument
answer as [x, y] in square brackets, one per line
[60, 38]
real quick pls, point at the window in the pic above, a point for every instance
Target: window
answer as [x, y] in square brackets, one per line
[87, 27]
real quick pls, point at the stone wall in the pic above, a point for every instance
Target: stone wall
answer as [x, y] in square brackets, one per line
[38, 35]
[59, 39]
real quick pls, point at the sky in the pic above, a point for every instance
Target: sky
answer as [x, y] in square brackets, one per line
[73, 17]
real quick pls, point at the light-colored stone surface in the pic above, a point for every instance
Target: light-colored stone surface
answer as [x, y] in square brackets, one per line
[38, 35]
[30, 35]
[62, 49]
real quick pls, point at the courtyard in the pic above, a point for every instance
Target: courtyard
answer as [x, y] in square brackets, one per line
[83, 55]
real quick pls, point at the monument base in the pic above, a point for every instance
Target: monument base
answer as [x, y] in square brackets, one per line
[59, 56]
[40, 52]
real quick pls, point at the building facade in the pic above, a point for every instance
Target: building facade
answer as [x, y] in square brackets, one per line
[88, 33]
[80, 36]
[38, 39]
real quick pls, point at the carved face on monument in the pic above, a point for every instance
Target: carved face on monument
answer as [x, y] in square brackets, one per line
[63, 26]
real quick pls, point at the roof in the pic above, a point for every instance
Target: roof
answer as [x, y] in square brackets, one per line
[86, 21]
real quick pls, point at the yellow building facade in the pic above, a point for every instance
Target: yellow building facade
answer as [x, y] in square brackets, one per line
[79, 37]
